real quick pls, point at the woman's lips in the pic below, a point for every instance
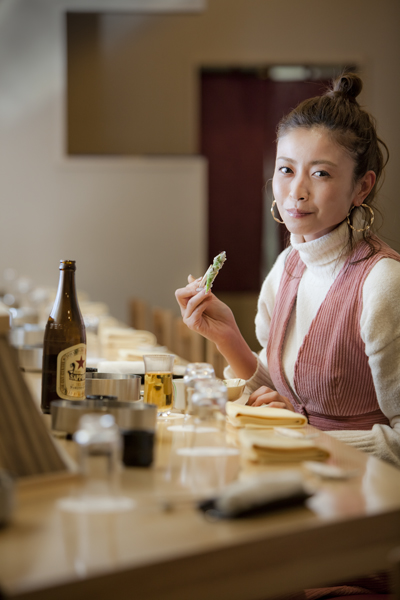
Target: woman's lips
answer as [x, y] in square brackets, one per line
[297, 214]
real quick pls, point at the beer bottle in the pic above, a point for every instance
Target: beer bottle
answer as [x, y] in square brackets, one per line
[64, 347]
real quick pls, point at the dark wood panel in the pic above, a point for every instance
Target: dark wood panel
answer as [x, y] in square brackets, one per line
[232, 139]
[240, 111]
[85, 95]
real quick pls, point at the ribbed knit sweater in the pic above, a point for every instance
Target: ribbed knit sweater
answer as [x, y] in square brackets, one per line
[379, 329]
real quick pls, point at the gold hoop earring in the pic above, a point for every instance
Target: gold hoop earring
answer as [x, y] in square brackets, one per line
[365, 206]
[272, 213]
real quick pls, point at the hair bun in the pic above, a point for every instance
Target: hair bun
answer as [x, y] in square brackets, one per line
[348, 85]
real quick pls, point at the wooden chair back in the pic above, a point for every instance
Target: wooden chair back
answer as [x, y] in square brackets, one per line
[187, 344]
[162, 326]
[215, 358]
[139, 314]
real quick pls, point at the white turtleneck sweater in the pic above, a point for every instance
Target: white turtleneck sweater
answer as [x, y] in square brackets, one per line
[379, 327]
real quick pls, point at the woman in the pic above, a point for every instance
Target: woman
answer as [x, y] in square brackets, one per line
[328, 314]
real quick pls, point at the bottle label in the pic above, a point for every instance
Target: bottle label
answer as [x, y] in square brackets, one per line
[71, 372]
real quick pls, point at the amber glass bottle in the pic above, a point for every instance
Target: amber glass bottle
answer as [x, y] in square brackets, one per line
[64, 347]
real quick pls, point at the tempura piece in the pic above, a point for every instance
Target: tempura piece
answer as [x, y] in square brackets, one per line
[213, 271]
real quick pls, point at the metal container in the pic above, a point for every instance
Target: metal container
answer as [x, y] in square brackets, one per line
[28, 340]
[30, 358]
[126, 386]
[27, 335]
[65, 414]
[24, 316]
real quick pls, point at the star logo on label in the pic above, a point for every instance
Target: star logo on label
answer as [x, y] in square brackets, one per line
[80, 362]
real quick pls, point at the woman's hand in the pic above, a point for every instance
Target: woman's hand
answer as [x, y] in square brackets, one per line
[203, 312]
[264, 395]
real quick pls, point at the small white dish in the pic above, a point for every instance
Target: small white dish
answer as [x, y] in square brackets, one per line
[235, 388]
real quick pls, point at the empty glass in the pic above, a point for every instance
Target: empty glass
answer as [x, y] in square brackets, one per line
[208, 407]
[90, 516]
[99, 445]
[209, 399]
[99, 450]
[195, 372]
[209, 460]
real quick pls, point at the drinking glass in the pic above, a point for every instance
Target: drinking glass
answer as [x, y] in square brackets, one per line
[94, 510]
[99, 449]
[158, 387]
[209, 460]
[194, 372]
[209, 399]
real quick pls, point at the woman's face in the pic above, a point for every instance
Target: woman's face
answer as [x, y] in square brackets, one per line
[313, 182]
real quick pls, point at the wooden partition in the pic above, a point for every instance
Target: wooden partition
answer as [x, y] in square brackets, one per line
[26, 447]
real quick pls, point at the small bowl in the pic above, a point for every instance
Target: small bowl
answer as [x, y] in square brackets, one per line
[235, 388]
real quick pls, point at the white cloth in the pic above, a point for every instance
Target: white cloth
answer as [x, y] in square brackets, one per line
[379, 327]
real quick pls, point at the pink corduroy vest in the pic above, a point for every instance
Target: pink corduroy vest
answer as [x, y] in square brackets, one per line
[332, 377]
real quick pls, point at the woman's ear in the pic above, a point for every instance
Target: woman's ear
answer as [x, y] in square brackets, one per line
[363, 187]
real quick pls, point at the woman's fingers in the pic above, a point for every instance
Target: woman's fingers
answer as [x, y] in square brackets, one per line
[182, 298]
[191, 279]
[193, 303]
[266, 399]
[195, 308]
[261, 392]
[183, 295]
[271, 404]
[276, 405]
[202, 312]
[271, 398]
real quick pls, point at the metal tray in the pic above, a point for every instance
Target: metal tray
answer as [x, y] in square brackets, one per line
[65, 414]
[125, 386]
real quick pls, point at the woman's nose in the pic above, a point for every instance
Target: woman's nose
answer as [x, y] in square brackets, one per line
[298, 190]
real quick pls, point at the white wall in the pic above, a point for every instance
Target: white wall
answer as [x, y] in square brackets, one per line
[136, 227]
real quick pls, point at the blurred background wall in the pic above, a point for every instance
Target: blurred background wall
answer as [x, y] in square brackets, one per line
[135, 217]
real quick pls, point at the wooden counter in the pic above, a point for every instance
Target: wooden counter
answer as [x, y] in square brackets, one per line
[347, 529]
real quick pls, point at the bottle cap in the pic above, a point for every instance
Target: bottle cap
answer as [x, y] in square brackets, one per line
[67, 265]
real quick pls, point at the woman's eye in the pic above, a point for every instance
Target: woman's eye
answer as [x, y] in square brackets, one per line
[322, 174]
[285, 170]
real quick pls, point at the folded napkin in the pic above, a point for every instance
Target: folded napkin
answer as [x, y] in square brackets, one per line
[269, 491]
[241, 415]
[267, 447]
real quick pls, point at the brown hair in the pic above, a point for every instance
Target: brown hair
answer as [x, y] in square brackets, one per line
[352, 128]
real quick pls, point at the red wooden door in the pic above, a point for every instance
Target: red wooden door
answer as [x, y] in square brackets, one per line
[239, 115]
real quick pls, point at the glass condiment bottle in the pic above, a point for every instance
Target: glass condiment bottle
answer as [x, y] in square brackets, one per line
[64, 346]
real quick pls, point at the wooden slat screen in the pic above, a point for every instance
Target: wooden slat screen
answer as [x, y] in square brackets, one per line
[26, 447]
